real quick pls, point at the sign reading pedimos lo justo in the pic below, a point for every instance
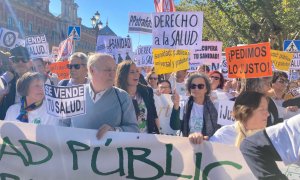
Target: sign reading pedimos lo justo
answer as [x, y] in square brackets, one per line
[249, 61]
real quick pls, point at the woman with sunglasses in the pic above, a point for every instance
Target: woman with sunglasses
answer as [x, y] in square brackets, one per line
[152, 80]
[32, 108]
[199, 115]
[78, 70]
[127, 78]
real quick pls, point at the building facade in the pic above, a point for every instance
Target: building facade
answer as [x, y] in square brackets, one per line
[33, 17]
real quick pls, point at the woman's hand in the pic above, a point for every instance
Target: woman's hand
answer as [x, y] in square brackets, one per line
[175, 99]
[197, 138]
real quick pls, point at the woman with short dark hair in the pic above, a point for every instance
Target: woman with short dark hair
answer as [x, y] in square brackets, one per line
[200, 115]
[127, 78]
[32, 108]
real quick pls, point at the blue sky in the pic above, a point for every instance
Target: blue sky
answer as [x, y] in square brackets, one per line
[116, 11]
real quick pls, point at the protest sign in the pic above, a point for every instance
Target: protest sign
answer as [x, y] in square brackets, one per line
[249, 61]
[193, 66]
[52, 152]
[281, 60]
[295, 64]
[8, 38]
[208, 53]
[60, 68]
[177, 30]
[168, 60]
[225, 112]
[164, 107]
[143, 56]
[20, 42]
[65, 49]
[224, 68]
[65, 102]
[140, 23]
[295, 92]
[37, 46]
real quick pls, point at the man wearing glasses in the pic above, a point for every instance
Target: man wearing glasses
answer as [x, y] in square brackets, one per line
[20, 64]
[78, 70]
[108, 108]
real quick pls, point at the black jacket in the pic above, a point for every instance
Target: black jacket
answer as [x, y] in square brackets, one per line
[8, 99]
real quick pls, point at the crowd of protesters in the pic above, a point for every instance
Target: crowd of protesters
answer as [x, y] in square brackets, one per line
[121, 97]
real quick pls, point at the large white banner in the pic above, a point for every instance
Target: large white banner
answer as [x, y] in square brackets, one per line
[177, 30]
[37, 46]
[143, 56]
[8, 38]
[208, 53]
[140, 22]
[50, 152]
[65, 102]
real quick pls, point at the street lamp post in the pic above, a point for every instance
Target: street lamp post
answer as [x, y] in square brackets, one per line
[97, 24]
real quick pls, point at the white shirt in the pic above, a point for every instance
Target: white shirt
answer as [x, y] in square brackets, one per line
[180, 87]
[37, 116]
[95, 97]
[225, 135]
[285, 138]
[196, 118]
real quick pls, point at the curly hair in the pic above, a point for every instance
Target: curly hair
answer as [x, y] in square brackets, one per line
[195, 76]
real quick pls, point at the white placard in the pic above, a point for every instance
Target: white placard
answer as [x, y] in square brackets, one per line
[143, 56]
[140, 22]
[37, 46]
[208, 53]
[8, 38]
[177, 30]
[224, 112]
[65, 102]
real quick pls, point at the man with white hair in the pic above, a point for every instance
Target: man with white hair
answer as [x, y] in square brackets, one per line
[107, 108]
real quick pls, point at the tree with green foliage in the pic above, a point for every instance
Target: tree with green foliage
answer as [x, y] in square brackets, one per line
[247, 21]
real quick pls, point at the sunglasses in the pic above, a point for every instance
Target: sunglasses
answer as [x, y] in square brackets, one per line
[153, 78]
[199, 86]
[214, 77]
[16, 59]
[76, 66]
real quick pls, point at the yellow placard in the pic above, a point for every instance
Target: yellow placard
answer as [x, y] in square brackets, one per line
[170, 60]
[281, 60]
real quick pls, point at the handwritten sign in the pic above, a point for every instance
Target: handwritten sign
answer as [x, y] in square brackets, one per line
[249, 61]
[295, 64]
[65, 102]
[281, 60]
[177, 30]
[37, 46]
[143, 56]
[225, 112]
[208, 53]
[140, 23]
[60, 68]
[168, 60]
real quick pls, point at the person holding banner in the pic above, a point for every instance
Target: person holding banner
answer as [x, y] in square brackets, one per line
[78, 70]
[108, 108]
[200, 115]
[250, 112]
[40, 66]
[276, 143]
[20, 64]
[32, 108]
[127, 78]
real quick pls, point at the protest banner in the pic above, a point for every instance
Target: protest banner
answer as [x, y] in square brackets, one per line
[37, 46]
[60, 68]
[281, 60]
[208, 53]
[65, 102]
[8, 38]
[225, 112]
[164, 107]
[177, 30]
[295, 64]
[52, 152]
[193, 66]
[249, 61]
[170, 60]
[223, 67]
[140, 23]
[143, 56]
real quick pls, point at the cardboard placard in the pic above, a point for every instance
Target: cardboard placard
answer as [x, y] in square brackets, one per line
[281, 60]
[60, 68]
[143, 56]
[140, 23]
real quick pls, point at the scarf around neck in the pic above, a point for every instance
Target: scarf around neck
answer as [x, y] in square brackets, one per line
[23, 116]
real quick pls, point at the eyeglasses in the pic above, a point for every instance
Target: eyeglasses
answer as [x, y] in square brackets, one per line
[283, 81]
[153, 78]
[76, 66]
[214, 77]
[17, 59]
[199, 86]
[164, 87]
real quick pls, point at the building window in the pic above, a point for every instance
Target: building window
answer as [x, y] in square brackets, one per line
[21, 25]
[30, 27]
[10, 23]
